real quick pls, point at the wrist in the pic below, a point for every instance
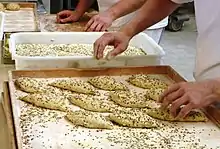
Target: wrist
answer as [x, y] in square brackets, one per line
[112, 13]
[128, 31]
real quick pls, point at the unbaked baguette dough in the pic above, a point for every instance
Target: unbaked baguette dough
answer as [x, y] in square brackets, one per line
[155, 93]
[47, 100]
[107, 83]
[146, 81]
[135, 120]
[91, 103]
[75, 85]
[89, 119]
[13, 7]
[158, 113]
[131, 99]
[2, 7]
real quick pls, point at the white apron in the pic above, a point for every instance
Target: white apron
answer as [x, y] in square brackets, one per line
[208, 43]
[106, 4]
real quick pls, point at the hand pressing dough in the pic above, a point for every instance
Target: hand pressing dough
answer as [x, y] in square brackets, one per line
[146, 81]
[131, 99]
[155, 93]
[13, 6]
[2, 7]
[91, 103]
[48, 101]
[135, 120]
[107, 83]
[89, 119]
[194, 116]
[75, 85]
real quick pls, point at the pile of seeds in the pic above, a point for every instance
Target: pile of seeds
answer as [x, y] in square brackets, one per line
[68, 50]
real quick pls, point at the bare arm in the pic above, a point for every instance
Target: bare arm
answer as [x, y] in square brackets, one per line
[124, 7]
[150, 13]
[83, 6]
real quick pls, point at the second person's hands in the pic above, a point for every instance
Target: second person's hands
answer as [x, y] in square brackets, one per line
[68, 16]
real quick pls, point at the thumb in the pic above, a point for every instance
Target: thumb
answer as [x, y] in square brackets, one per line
[118, 50]
[68, 19]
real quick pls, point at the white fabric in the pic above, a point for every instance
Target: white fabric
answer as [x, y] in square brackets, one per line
[106, 4]
[181, 1]
[208, 44]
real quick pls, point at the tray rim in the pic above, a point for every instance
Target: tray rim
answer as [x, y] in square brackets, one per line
[31, 5]
[169, 68]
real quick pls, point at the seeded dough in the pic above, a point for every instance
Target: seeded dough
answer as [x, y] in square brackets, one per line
[75, 85]
[47, 100]
[131, 99]
[2, 7]
[135, 119]
[158, 113]
[107, 83]
[89, 119]
[91, 103]
[31, 85]
[155, 93]
[146, 81]
[13, 6]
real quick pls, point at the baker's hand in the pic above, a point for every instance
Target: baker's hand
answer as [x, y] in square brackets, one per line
[68, 16]
[117, 39]
[100, 22]
[193, 95]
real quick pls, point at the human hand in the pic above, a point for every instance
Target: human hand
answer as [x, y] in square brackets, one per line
[99, 22]
[193, 95]
[67, 16]
[117, 39]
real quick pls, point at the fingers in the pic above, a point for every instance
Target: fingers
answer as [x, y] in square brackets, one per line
[185, 111]
[118, 50]
[87, 27]
[101, 43]
[172, 97]
[171, 89]
[67, 20]
[175, 106]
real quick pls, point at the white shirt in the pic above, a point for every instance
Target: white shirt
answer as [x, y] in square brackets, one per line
[106, 4]
[208, 42]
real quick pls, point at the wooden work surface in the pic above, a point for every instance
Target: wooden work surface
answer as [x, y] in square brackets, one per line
[209, 136]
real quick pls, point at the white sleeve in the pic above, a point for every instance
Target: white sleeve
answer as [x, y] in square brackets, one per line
[181, 1]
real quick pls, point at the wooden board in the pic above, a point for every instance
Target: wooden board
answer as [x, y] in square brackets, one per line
[209, 132]
[9, 116]
[24, 20]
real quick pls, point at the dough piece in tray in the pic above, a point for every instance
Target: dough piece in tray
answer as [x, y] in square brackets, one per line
[107, 83]
[89, 119]
[131, 99]
[164, 114]
[47, 100]
[135, 119]
[146, 81]
[155, 93]
[75, 85]
[91, 103]
[29, 85]
[2, 7]
[13, 7]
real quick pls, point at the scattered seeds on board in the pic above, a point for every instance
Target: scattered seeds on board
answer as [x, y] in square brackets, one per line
[67, 50]
[35, 121]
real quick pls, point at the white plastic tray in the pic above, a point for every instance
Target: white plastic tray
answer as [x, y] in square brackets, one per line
[153, 50]
[2, 20]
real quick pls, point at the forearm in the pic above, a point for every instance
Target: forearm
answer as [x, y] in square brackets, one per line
[83, 6]
[124, 7]
[150, 13]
